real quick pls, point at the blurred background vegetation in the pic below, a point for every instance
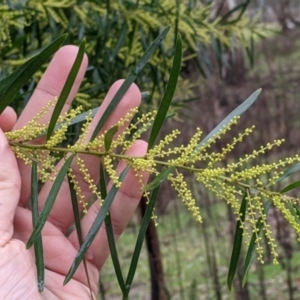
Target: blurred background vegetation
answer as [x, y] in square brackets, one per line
[231, 48]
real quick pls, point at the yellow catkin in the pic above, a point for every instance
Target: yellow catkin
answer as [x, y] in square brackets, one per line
[228, 182]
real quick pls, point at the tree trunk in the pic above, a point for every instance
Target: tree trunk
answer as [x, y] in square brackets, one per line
[158, 288]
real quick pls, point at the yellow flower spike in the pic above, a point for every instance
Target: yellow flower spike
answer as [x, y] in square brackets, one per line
[82, 139]
[159, 150]
[143, 123]
[59, 135]
[110, 169]
[180, 186]
[78, 191]
[227, 182]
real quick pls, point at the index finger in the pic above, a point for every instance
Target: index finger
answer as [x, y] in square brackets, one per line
[49, 86]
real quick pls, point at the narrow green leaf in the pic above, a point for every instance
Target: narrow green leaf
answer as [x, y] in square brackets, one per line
[114, 253]
[102, 182]
[168, 95]
[294, 211]
[119, 44]
[16, 44]
[252, 244]
[95, 228]
[237, 245]
[110, 235]
[76, 211]
[140, 239]
[77, 222]
[49, 202]
[241, 7]
[66, 89]
[292, 170]
[217, 46]
[237, 112]
[158, 180]
[290, 187]
[197, 63]
[108, 138]
[38, 245]
[10, 85]
[297, 211]
[8, 80]
[250, 51]
[129, 80]
[177, 16]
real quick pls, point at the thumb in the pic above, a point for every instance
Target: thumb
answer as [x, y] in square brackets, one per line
[10, 184]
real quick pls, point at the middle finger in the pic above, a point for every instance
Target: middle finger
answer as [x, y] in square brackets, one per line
[61, 214]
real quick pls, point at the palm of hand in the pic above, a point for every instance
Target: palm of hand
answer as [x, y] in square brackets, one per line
[17, 266]
[18, 276]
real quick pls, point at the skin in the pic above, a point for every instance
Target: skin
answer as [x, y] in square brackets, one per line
[17, 266]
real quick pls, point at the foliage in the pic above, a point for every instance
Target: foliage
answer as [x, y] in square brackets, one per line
[164, 161]
[117, 33]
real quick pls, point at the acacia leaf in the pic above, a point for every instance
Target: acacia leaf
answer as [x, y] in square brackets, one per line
[140, 239]
[38, 245]
[76, 214]
[241, 7]
[10, 85]
[290, 187]
[290, 171]
[158, 180]
[236, 112]
[66, 89]
[168, 95]
[110, 234]
[252, 244]
[237, 244]
[109, 135]
[95, 227]
[294, 211]
[250, 51]
[49, 201]
[129, 80]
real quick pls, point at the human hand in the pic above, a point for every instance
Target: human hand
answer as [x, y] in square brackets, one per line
[17, 266]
